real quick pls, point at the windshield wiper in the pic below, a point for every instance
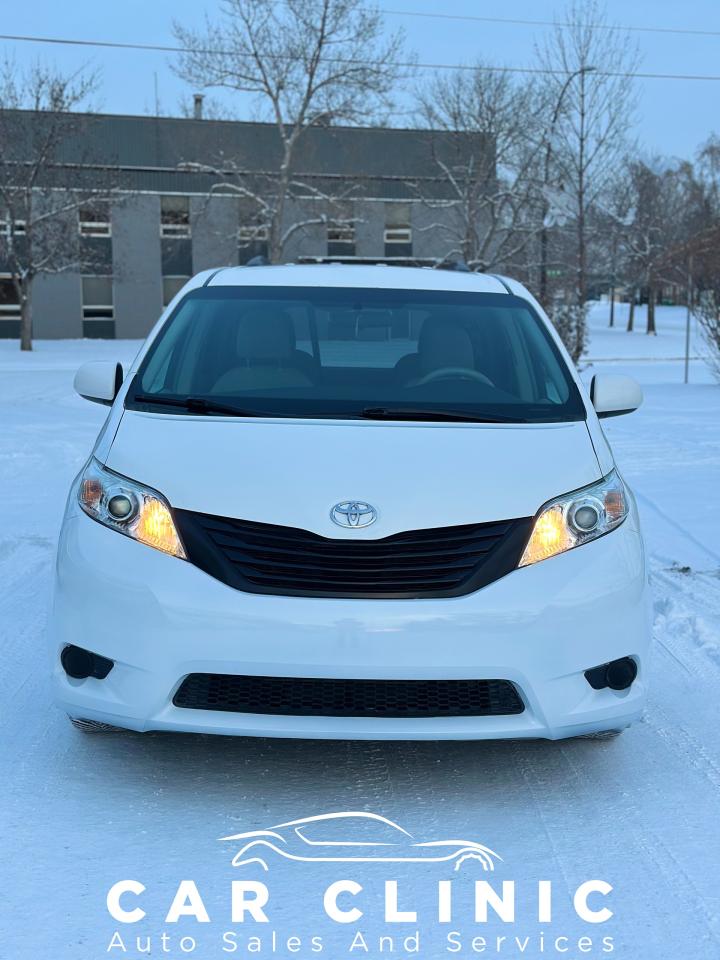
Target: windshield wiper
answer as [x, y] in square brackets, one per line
[203, 405]
[413, 413]
[198, 405]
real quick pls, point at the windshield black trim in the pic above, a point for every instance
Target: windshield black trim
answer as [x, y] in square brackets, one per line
[502, 281]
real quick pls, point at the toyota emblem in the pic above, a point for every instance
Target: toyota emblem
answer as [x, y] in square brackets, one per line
[353, 514]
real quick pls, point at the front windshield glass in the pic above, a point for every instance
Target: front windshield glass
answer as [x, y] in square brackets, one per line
[314, 352]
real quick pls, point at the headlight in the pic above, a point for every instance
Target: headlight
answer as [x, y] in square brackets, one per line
[128, 507]
[576, 518]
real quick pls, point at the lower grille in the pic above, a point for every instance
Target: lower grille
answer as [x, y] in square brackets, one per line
[315, 697]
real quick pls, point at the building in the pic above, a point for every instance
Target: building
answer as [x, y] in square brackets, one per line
[173, 213]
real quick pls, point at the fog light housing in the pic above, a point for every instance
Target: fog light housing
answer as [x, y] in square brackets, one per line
[80, 664]
[621, 674]
[617, 675]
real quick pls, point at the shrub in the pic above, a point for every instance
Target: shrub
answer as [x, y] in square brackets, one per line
[707, 312]
[570, 321]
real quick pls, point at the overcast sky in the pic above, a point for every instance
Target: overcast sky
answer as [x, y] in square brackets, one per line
[673, 117]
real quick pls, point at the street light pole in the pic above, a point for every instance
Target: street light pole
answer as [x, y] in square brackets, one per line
[546, 176]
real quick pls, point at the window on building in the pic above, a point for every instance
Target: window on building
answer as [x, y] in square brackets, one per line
[171, 286]
[9, 309]
[18, 228]
[97, 307]
[174, 216]
[250, 234]
[398, 232]
[94, 220]
[398, 235]
[340, 239]
[252, 241]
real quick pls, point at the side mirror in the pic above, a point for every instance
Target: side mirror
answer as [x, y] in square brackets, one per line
[99, 381]
[612, 395]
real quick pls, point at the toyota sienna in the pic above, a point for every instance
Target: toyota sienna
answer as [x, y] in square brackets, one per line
[352, 502]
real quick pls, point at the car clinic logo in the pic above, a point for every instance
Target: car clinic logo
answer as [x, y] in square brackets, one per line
[351, 837]
[248, 924]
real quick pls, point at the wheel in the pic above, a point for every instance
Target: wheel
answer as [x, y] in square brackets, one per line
[93, 726]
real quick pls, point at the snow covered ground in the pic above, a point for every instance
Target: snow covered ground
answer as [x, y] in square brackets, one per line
[79, 813]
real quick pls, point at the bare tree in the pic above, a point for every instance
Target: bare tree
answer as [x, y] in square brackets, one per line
[313, 205]
[611, 222]
[707, 312]
[590, 68]
[486, 154]
[708, 168]
[38, 209]
[704, 253]
[701, 256]
[647, 240]
[306, 63]
[671, 209]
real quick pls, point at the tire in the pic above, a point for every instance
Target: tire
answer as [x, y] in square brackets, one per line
[93, 726]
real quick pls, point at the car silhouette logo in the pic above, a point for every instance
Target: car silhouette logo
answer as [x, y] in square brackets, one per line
[353, 514]
[351, 837]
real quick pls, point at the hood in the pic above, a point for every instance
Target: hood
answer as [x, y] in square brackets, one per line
[291, 473]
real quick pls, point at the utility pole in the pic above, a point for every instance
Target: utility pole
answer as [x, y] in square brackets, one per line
[687, 318]
[581, 271]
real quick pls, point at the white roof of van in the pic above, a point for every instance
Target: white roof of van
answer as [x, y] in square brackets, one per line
[351, 275]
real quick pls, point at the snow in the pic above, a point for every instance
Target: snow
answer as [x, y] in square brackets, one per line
[610, 344]
[80, 812]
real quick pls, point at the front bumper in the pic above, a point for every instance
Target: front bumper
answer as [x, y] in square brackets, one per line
[159, 619]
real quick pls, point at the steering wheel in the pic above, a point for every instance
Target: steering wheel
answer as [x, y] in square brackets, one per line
[454, 373]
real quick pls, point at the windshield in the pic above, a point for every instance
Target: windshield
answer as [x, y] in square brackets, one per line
[314, 352]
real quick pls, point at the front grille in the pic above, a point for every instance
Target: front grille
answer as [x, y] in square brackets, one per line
[312, 697]
[435, 562]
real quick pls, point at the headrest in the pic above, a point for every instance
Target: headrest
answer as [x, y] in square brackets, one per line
[444, 343]
[265, 335]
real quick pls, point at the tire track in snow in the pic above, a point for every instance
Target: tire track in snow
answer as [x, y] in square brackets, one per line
[676, 526]
[531, 776]
[685, 890]
[682, 743]
[30, 724]
[373, 775]
[25, 567]
[409, 772]
[684, 595]
[650, 844]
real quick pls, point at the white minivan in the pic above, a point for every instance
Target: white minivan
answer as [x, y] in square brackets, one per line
[352, 502]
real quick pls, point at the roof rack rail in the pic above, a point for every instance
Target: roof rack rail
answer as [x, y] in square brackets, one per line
[458, 265]
[360, 261]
